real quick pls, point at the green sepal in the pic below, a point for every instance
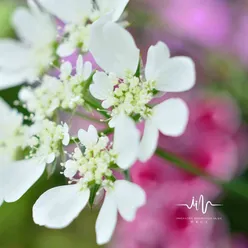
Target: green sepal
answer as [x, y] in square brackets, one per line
[51, 168]
[137, 73]
[93, 191]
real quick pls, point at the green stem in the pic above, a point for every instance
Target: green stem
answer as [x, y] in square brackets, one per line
[87, 117]
[97, 106]
[127, 175]
[237, 186]
[181, 163]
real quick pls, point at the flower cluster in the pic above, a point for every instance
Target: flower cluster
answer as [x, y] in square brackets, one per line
[123, 93]
[65, 92]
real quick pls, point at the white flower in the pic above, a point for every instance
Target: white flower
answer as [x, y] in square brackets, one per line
[53, 93]
[11, 133]
[25, 60]
[78, 16]
[91, 162]
[122, 91]
[46, 139]
[11, 139]
[16, 176]
[126, 198]
[44, 142]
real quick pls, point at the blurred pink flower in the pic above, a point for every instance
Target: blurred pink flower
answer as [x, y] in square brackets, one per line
[239, 241]
[204, 21]
[210, 142]
[161, 222]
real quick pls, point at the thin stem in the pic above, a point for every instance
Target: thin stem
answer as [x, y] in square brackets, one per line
[87, 117]
[181, 163]
[236, 186]
[127, 175]
[95, 105]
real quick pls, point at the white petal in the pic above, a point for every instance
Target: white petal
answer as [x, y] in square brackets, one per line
[29, 23]
[157, 56]
[3, 175]
[5, 109]
[65, 49]
[21, 176]
[14, 78]
[71, 168]
[171, 117]
[107, 104]
[112, 122]
[59, 206]
[88, 138]
[115, 7]
[178, 75]
[87, 70]
[24, 23]
[129, 198]
[68, 10]
[149, 141]
[117, 51]
[50, 158]
[80, 65]
[102, 86]
[126, 141]
[66, 68]
[118, 9]
[14, 54]
[66, 139]
[106, 220]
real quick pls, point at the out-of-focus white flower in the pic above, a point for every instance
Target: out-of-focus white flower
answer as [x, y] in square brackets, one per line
[92, 161]
[25, 60]
[53, 93]
[11, 139]
[16, 176]
[44, 142]
[123, 92]
[78, 16]
[11, 133]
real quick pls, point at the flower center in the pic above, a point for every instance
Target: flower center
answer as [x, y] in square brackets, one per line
[47, 140]
[78, 35]
[43, 57]
[53, 94]
[92, 164]
[132, 96]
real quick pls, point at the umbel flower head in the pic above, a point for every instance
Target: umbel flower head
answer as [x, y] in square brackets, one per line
[65, 92]
[123, 90]
[42, 143]
[90, 170]
[25, 60]
[78, 16]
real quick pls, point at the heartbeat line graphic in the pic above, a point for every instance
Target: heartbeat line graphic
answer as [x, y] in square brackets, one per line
[200, 204]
